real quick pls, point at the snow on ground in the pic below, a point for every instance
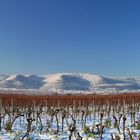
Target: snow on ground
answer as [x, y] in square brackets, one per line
[20, 126]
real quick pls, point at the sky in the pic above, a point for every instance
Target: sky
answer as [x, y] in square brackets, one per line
[79, 36]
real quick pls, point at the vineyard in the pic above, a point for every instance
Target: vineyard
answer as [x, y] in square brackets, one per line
[70, 117]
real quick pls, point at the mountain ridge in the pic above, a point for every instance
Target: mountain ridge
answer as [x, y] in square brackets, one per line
[70, 82]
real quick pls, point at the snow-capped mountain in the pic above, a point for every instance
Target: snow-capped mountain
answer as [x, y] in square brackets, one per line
[70, 83]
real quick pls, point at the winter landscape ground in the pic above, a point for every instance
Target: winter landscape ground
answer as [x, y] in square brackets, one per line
[70, 117]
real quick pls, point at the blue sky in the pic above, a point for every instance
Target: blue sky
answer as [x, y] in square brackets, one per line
[88, 36]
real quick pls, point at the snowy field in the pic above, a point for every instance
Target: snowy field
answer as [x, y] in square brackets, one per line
[92, 122]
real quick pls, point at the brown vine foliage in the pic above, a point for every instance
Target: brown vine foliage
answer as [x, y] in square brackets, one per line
[68, 100]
